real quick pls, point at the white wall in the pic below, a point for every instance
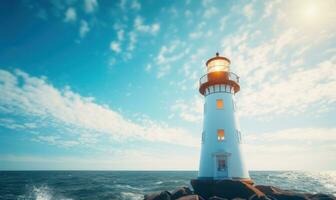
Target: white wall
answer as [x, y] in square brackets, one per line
[215, 119]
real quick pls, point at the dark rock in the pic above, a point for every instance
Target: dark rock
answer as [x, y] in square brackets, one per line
[191, 197]
[321, 197]
[180, 192]
[216, 198]
[233, 190]
[165, 195]
[280, 194]
[226, 189]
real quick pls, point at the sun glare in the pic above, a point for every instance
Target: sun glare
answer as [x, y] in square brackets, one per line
[310, 15]
[311, 11]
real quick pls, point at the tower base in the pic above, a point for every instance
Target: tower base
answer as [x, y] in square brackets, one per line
[228, 188]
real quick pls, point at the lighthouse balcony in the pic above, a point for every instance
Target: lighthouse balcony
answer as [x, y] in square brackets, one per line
[229, 79]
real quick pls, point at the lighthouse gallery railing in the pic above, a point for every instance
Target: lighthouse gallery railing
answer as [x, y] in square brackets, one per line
[231, 76]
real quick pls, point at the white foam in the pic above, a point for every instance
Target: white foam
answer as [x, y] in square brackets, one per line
[131, 196]
[42, 193]
[45, 193]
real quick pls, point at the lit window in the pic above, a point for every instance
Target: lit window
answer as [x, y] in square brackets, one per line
[220, 104]
[220, 134]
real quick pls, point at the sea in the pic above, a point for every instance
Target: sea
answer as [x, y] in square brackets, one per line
[131, 185]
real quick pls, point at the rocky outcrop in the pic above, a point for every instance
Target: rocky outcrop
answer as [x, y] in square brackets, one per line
[233, 190]
[181, 192]
[228, 189]
[279, 194]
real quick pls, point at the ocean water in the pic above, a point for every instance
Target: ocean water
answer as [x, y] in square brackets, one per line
[124, 185]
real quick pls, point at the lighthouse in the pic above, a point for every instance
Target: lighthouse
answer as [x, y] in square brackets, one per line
[221, 153]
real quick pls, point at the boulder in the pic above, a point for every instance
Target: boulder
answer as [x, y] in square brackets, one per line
[321, 197]
[279, 194]
[228, 189]
[216, 198]
[165, 195]
[191, 197]
[233, 190]
[180, 192]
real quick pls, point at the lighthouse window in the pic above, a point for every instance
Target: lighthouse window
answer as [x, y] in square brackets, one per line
[220, 104]
[221, 164]
[220, 134]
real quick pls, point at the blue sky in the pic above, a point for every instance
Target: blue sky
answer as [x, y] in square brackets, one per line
[99, 84]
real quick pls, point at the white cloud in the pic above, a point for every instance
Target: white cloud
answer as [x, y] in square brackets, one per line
[136, 5]
[299, 92]
[210, 12]
[248, 11]
[269, 7]
[188, 13]
[195, 35]
[70, 15]
[141, 27]
[116, 160]
[132, 41]
[297, 148]
[190, 110]
[276, 74]
[148, 68]
[169, 54]
[32, 97]
[172, 52]
[90, 5]
[56, 140]
[84, 29]
[115, 46]
[206, 3]
[122, 4]
[222, 23]
[120, 35]
[163, 70]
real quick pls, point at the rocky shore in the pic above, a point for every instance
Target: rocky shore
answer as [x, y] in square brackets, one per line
[235, 190]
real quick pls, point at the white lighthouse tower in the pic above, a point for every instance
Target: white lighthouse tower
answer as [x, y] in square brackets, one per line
[221, 154]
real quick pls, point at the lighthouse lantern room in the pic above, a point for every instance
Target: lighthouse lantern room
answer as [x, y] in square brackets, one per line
[221, 153]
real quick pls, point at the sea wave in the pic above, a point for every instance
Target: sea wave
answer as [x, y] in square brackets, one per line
[41, 193]
[91, 185]
[131, 196]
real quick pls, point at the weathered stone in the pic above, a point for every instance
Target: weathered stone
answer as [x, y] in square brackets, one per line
[191, 197]
[180, 192]
[165, 195]
[216, 198]
[280, 194]
[226, 189]
[321, 197]
[234, 190]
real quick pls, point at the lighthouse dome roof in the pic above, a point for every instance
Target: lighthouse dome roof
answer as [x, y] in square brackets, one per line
[218, 58]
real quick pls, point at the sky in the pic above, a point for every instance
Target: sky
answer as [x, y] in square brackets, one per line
[113, 85]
